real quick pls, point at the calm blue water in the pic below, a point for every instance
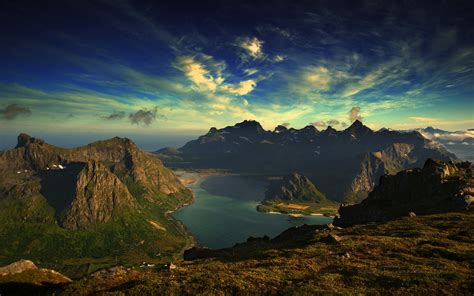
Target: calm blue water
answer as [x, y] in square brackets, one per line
[219, 221]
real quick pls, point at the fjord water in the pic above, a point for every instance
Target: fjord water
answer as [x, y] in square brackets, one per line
[224, 212]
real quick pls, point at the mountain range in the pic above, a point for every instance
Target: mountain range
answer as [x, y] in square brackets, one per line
[107, 199]
[459, 142]
[345, 165]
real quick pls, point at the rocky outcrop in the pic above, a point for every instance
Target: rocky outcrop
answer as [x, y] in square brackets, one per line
[99, 195]
[294, 188]
[17, 267]
[32, 274]
[438, 187]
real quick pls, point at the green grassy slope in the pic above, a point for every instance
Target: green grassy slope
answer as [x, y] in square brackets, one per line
[29, 230]
[422, 255]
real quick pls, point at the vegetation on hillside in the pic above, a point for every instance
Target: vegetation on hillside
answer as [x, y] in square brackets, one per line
[419, 255]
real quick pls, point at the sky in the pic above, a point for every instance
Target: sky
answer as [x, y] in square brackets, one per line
[167, 71]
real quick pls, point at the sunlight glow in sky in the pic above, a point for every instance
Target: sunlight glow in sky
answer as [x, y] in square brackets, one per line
[139, 67]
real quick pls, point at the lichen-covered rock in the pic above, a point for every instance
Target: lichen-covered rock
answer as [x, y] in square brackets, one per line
[436, 188]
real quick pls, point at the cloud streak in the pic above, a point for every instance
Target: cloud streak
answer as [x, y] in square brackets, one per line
[144, 116]
[116, 115]
[12, 111]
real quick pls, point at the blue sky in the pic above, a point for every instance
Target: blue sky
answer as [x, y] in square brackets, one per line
[144, 68]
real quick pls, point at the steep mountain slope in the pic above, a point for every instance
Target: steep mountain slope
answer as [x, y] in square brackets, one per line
[296, 194]
[102, 201]
[346, 164]
[294, 188]
[436, 188]
[99, 195]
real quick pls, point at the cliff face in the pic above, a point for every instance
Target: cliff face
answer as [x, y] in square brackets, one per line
[99, 195]
[87, 184]
[294, 187]
[436, 188]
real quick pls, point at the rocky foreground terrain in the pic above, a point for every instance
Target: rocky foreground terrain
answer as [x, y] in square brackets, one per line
[438, 187]
[417, 255]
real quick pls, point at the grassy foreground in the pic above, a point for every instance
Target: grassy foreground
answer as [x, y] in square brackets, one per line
[420, 255]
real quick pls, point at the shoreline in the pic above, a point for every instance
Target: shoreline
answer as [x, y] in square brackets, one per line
[191, 240]
[296, 215]
[192, 178]
[188, 179]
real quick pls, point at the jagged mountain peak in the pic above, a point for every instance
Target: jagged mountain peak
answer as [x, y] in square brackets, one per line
[24, 140]
[249, 125]
[330, 129]
[212, 131]
[310, 127]
[358, 126]
[280, 129]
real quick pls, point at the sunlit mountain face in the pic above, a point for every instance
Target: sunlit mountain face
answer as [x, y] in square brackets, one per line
[170, 70]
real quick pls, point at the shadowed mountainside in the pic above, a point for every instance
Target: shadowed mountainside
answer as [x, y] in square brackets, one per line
[346, 164]
[438, 187]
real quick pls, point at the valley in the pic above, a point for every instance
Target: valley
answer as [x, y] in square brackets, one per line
[112, 217]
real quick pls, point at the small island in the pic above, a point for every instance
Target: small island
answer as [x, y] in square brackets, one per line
[296, 195]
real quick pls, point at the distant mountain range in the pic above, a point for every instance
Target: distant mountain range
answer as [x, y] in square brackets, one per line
[105, 199]
[458, 142]
[345, 165]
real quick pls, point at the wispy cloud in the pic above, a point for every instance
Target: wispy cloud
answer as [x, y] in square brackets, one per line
[250, 71]
[241, 88]
[12, 111]
[144, 116]
[202, 70]
[116, 115]
[252, 47]
[321, 124]
[354, 114]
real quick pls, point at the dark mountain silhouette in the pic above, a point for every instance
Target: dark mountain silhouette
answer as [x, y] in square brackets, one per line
[346, 164]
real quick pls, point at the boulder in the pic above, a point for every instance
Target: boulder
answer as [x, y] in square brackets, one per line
[17, 267]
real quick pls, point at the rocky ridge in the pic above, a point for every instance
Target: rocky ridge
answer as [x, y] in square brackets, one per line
[346, 164]
[438, 187]
[88, 184]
